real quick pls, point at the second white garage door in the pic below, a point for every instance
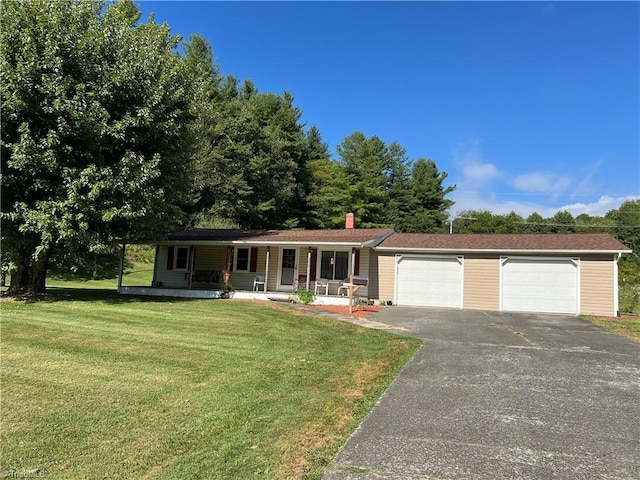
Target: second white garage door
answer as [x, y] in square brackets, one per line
[540, 285]
[429, 281]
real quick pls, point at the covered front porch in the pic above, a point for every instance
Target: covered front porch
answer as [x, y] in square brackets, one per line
[254, 272]
[236, 294]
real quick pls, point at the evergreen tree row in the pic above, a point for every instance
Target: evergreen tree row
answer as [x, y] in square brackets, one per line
[255, 166]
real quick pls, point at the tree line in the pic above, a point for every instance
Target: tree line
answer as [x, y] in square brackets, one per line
[623, 223]
[114, 129]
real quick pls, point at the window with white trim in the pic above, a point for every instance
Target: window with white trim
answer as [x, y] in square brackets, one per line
[182, 258]
[242, 260]
[334, 264]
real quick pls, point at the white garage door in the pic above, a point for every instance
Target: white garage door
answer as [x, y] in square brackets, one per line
[540, 285]
[429, 281]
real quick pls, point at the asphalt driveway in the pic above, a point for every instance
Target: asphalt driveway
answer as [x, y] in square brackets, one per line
[502, 396]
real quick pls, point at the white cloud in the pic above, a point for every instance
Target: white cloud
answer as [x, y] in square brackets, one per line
[474, 171]
[490, 202]
[598, 208]
[542, 182]
[482, 185]
[478, 174]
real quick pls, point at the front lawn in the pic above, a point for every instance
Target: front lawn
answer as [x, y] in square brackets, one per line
[96, 385]
[628, 325]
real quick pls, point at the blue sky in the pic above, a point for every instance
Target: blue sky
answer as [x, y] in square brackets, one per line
[528, 106]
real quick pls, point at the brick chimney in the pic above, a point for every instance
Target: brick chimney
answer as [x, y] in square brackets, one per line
[350, 221]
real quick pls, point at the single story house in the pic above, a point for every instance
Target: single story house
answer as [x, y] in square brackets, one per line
[547, 273]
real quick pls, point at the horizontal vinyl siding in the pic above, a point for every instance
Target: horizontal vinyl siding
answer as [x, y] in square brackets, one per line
[169, 278]
[386, 276]
[481, 283]
[274, 262]
[244, 280]
[597, 295]
[303, 260]
[364, 272]
[210, 258]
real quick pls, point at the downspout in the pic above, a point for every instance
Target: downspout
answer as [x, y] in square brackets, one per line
[616, 287]
[124, 247]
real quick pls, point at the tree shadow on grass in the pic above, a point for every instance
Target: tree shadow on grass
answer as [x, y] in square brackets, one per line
[103, 295]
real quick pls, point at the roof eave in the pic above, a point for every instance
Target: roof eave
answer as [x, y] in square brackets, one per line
[263, 243]
[496, 250]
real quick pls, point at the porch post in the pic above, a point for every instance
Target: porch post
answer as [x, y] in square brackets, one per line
[124, 247]
[308, 266]
[192, 257]
[155, 266]
[266, 273]
[353, 263]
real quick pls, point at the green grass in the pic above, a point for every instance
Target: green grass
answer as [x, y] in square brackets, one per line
[629, 326]
[140, 274]
[96, 385]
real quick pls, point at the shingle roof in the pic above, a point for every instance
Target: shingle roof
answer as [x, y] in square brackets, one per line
[569, 242]
[355, 236]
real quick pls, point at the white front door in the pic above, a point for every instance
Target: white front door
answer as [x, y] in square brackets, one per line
[288, 268]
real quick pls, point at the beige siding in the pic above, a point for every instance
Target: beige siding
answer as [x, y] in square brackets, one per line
[481, 282]
[365, 253]
[303, 260]
[274, 262]
[210, 257]
[169, 278]
[597, 293]
[383, 276]
[244, 280]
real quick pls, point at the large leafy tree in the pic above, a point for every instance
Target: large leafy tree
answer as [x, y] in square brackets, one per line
[93, 138]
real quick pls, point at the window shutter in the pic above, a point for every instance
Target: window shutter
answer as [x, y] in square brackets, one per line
[356, 266]
[253, 260]
[313, 266]
[170, 255]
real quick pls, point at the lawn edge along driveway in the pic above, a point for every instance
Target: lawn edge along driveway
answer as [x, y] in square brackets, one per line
[96, 385]
[498, 396]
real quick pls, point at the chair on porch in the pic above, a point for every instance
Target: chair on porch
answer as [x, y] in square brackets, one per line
[343, 288]
[257, 281]
[322, 283]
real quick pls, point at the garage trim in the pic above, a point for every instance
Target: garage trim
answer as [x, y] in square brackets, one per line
[574, 260]
[399, 257]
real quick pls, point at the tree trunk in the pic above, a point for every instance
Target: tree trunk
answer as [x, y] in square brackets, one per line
[30, 274]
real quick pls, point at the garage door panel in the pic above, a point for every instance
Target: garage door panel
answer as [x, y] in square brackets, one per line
[540, 285]
[429, 281]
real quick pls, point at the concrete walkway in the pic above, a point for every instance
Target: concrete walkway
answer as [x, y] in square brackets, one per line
[502, 396]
